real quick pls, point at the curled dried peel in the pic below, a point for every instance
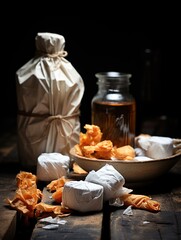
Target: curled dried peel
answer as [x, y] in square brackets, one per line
[141, 201]
[47, 208]
[25, 179]
[55, 184]
[20, 206]
[27, 197]
[27, 194]
[57, 195]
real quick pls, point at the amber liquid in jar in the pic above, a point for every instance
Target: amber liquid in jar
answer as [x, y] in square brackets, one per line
[114, 108]
[116, 121]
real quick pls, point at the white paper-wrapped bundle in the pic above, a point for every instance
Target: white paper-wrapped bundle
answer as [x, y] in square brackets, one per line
[51, 166]
[82, 196]
[156, 147]
[49, 93]
[111, 180]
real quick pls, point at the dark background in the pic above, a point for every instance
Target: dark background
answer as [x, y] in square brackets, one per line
[152, 57]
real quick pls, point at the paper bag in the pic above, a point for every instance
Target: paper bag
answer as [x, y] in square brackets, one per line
[49, 93]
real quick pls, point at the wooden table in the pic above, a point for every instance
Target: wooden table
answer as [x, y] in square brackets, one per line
[110, 223]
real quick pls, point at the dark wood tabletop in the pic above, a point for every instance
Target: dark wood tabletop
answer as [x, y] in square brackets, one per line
[110, 223]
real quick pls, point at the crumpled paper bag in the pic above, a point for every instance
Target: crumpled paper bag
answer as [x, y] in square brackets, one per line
[49, 93]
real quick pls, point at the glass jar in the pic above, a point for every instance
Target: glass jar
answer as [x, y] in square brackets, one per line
[114, 108]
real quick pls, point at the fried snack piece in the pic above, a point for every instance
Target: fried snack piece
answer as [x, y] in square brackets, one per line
[57, 195]
[78, 150]
[88, 140]
[55, 184]
[92, 136]
[124, 153]
[91, 146]
[88, 151]
[141, 201]
[78, 169]
[104, 146]
[104, 149]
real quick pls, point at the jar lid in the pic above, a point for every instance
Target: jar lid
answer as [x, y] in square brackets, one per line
[117, 77]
